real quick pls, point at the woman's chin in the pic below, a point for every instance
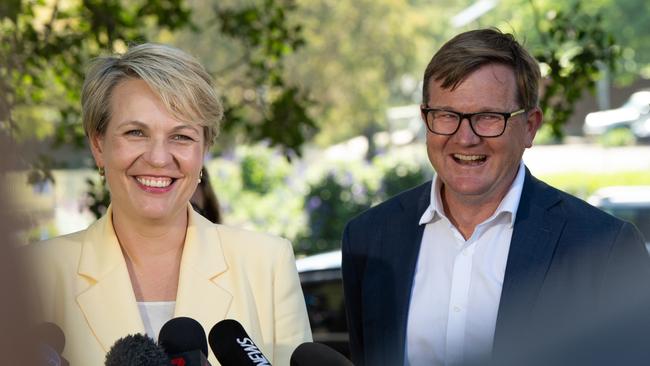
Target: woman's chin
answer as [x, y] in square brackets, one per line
[154, 213]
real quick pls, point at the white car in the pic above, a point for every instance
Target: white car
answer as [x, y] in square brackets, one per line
[641, 128]
[636, 108]
[630, 203]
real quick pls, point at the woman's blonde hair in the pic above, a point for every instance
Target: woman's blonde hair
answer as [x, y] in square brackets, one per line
[180, 81]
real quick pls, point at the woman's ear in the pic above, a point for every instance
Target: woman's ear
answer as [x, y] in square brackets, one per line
[97, 148]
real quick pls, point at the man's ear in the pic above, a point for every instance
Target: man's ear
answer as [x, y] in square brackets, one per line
[533, 123]
[97, 148]
[422, 115]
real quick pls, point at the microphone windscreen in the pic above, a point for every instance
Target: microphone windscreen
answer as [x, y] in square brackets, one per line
[52, 335]
[182, 334]
[136, 350]
[317, 354]
[233, 347]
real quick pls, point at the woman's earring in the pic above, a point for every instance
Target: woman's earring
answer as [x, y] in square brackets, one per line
[102, 173]
[200, 175]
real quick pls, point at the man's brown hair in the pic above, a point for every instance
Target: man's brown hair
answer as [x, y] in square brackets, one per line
[468, 51]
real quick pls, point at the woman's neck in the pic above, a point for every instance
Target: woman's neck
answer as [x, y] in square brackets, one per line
[144, 239]
[152, 252]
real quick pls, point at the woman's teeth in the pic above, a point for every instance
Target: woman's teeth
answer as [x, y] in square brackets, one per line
[154, 182]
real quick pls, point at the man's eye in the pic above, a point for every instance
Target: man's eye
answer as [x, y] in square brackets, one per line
[488, 117]
[446, 116]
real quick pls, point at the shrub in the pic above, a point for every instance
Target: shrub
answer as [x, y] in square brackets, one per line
[329, 204]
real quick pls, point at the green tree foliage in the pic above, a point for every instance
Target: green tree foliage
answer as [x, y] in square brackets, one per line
[353, 62]
[270, 108]
[45, 45]
[573, 48]
[329, 204]
[628, 21]
[244, 46]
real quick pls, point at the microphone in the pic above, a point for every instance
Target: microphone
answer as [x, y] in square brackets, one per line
[51, 342]
[183, 339]
[317, 354]
[136, 350]
[233, 347]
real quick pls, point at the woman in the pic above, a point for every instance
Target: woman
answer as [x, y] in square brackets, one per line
[150, 115]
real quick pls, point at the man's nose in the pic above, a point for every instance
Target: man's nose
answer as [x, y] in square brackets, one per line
[465, 134]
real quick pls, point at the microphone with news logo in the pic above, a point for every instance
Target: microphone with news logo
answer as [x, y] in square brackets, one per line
[317, 354]
[183, 339]
[136, 350]
[233, 347]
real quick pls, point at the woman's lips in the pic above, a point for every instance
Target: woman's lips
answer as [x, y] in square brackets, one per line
[155, 184]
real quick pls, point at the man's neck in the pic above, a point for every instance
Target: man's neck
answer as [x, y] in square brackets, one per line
[466, 212]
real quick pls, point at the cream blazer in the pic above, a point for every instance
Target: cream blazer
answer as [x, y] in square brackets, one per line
[225, 273]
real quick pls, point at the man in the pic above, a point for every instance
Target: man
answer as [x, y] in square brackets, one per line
[486, 260]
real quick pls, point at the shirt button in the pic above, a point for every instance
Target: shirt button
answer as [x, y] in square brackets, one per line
[456, 309]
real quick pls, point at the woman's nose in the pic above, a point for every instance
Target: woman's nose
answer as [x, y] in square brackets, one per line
[158, 153]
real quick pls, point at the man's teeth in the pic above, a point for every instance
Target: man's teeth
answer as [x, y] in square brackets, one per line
[469, 157]
[155, 182]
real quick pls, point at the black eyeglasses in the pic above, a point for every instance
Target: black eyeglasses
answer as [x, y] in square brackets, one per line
[484, 124]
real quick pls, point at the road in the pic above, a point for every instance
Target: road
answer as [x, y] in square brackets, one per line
[586, 158]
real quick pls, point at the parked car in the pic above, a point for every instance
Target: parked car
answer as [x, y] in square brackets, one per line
[641, 128]
[322, 285]
[631, 203]
[635, 109]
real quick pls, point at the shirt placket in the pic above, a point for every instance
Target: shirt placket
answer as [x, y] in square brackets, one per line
[458, 302]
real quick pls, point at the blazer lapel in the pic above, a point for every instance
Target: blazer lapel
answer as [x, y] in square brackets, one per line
[202, 293]
[108, 304]
[534, 239]
[400, 245]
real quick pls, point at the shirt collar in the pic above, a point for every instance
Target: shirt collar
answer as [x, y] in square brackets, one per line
[509, 204]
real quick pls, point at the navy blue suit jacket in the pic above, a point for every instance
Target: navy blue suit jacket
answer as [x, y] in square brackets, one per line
[570, 266]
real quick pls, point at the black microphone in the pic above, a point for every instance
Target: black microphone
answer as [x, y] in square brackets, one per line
[233, 347]
[51, 342]
[317, 354]
[184, 341]
[136, 350]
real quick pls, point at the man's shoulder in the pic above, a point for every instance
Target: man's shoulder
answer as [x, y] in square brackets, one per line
[574, 208]
[406, 201]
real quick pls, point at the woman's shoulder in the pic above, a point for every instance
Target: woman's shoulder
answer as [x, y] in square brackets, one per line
[61, 248]
[254, 240]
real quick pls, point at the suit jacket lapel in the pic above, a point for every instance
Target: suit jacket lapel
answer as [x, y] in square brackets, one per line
[400, 244]
[108, 304]
[202, 293]
[534, 239]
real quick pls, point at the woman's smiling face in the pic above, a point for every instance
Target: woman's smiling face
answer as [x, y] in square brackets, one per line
[152, 161]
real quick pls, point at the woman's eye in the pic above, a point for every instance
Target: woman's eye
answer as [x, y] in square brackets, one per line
[182, 138]
[137, 133]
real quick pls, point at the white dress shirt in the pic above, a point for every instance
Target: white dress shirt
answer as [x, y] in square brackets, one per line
[457, 283]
